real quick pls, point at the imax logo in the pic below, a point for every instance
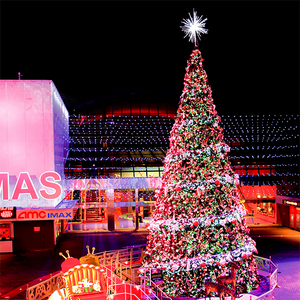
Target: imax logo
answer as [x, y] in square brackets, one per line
[59, 216]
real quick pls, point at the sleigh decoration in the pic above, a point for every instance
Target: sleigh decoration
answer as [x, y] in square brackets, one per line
[84, 281]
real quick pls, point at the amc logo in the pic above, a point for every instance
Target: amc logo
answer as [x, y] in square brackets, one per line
[24, 185]
[32, 214]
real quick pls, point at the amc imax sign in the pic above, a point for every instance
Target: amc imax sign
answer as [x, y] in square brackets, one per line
[46, 214]
[29, 189]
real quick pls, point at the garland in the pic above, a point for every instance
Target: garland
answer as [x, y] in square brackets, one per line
[201, 222]
[203, 184]
[183, 155]
[222, 259]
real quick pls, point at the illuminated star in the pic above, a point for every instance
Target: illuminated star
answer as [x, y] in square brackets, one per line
[193, 27]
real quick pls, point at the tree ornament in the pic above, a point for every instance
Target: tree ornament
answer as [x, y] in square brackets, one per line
[178, 188]
[193, 27]
[158, 192]
[217, 182]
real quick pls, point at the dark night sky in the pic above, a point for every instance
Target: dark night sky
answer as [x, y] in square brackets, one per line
[94, 49]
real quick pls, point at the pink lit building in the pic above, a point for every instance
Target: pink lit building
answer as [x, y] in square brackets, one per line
[34, 135]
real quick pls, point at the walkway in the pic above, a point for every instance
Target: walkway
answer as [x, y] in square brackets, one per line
[281, 243]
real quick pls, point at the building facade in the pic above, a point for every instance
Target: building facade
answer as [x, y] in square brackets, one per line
[127, 136]
[98, 168]
[34, 128]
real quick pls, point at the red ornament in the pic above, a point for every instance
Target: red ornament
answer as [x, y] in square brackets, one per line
[178, 188]
[217, 182]
[244, 255]
[203, 264]
[234, 221]
[199, 192]
[196, 223]
[158, 192]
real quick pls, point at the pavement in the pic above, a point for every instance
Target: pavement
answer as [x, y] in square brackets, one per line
[17, 269]
[256, 220]
[282, 244]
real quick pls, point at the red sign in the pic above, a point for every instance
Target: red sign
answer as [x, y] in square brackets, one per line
[32, 214]
[36, 228]
[7, 212]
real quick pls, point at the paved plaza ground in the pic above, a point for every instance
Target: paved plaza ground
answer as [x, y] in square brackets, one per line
[281, 243]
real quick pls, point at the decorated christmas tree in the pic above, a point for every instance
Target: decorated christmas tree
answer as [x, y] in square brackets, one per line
[198, 231]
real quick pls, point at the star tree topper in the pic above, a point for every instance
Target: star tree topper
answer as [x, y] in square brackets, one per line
[193, 27]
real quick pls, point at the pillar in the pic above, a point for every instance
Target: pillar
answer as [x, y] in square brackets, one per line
[137, 208]
[110, 209]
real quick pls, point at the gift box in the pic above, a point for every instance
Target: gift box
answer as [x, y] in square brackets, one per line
[86, 285]
[88, 289]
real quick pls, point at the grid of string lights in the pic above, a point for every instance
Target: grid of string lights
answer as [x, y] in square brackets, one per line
[133, 143]
[123, 146]
[265, 150]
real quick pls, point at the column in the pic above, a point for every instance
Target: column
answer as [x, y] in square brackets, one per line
[137, 208]
[110, 209]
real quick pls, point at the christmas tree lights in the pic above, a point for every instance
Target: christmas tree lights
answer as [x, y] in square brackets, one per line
[198, 228]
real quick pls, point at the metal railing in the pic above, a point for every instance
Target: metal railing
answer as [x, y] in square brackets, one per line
[115, 283]
[146, 282]
[46, 288]
[267, 266]
[122, 266]
[125, 262]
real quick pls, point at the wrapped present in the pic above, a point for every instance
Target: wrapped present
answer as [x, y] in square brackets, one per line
[87, 285]
[88, 289]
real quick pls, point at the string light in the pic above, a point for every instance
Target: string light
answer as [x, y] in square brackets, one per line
[142, 140]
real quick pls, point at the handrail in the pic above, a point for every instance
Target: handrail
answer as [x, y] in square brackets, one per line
[144, 295]
[266, 265]
[121, 273]
[112, 286]
[106, 257]
[116, 261]
[263, 264]
[157, 289]
[240, 190]
[45, 288]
